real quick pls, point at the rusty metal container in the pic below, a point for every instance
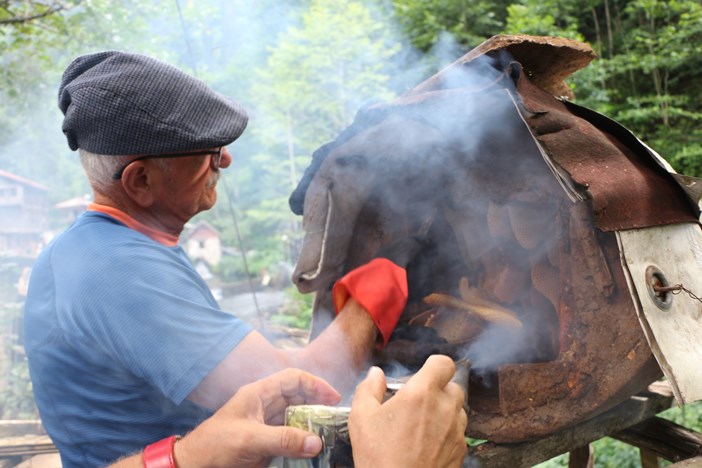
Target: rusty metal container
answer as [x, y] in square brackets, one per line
[523, 192]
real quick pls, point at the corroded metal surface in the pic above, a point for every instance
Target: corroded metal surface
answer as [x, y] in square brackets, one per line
[499, 174]
[597, 160]
[548, 61]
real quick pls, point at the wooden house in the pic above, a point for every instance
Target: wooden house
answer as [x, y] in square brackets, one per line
[24, 212]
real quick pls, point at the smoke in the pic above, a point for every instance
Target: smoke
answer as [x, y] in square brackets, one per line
[439, 156]
[227, 44]
[496, 346]
[451, 158]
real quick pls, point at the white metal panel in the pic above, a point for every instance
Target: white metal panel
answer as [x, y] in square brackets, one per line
[675, 332]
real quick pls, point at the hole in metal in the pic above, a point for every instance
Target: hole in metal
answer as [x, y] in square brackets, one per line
[656, 284]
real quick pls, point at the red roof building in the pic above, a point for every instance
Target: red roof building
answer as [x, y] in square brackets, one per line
[202, 243]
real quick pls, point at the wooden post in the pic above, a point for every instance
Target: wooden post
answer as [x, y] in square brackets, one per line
[649, 459]
[582, 457]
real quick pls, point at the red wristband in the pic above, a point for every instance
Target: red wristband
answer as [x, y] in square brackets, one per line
[380, 287]
[160, 454]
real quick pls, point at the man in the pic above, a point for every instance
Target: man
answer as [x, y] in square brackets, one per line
[422, 425]
[126, 344]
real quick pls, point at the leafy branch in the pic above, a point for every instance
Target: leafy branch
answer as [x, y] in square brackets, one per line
[34, 11]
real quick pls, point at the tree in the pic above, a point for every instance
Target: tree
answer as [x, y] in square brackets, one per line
[469, 22]
[315, 78]
[657, 92]
[26, 29]
[39, 39]
[544, 18]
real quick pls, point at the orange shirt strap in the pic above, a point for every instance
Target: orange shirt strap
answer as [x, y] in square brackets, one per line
[159, 236]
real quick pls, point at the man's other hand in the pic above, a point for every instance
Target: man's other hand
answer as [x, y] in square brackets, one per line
[246, 431]
[422, 425]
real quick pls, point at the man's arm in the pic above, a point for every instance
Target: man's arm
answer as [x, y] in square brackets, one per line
[339, 354]
[369, 301]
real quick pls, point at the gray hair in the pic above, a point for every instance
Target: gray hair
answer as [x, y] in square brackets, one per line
[100, 168]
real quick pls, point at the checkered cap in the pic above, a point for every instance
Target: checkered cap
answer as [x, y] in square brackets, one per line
[121, 103]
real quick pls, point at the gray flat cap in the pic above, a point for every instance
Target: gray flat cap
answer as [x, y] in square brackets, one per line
[121, 103]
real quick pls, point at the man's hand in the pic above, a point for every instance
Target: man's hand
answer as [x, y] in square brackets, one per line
[422, 425]
[241, 433]
[383, 285]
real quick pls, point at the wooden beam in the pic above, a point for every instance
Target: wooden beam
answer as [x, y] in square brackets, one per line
[689, 463]
[663, 438]
[18, 427]
[11, 447]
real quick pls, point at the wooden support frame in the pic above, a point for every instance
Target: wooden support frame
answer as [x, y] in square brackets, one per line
[634, 421]
[660, 438]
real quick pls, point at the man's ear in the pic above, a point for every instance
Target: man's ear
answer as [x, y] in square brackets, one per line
[137, 184]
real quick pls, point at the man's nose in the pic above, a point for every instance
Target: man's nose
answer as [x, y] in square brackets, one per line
[226, 160]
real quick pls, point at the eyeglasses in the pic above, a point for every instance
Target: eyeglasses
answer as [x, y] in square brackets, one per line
[215, 160]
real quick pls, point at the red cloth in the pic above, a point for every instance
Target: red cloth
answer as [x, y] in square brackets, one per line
[380, 287]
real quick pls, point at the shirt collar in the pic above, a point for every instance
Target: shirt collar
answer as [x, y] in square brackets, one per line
[161, 237]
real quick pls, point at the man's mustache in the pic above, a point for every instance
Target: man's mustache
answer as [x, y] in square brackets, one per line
[212, 183]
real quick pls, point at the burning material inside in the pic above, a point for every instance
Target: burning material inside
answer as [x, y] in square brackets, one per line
[522, 194]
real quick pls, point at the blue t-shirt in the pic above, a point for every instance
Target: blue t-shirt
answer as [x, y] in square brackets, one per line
[119, 330]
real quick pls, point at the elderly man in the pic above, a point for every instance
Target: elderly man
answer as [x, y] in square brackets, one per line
[126, 344]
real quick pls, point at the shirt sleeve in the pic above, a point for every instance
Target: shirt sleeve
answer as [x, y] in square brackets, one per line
[146, 306]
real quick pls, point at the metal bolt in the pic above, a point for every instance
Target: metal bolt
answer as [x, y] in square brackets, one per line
[659, 288]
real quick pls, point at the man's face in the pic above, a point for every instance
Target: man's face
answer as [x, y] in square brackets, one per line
[189, 187]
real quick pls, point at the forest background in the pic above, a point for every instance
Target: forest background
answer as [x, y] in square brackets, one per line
[304, 67]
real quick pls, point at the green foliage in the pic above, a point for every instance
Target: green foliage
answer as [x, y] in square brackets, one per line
[561, 460]
[297, 311]
[26, 30]
[231, 268]
[689, 415]
[33, 55]
[266, 232]
[651, 80]
[469, 22]
[16, 398]
[542, 18]
[317, 76]
[611, 453]
[686, 154]
[648, 76]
